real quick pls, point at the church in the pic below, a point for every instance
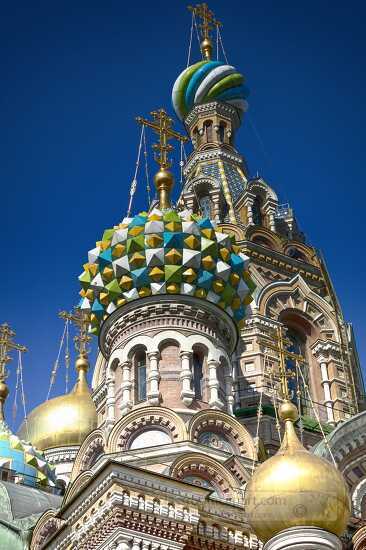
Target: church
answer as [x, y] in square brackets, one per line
[225, 408]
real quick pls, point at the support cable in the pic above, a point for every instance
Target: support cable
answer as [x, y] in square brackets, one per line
[22, 391]
[134, 181]
[299, 404]
[56, 364]
[197, 34]
[147, 175]
[317, 416]
[190, 40]
[222, 45]
[217, 42]
[67, 357]
[15, 403]
[259, 418]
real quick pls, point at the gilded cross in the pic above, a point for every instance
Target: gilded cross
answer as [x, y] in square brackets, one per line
[81, 320]
[162, 124]
[283, 353]
[208, 21]
[6, 344]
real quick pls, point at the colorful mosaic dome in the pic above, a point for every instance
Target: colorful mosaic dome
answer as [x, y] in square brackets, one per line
[208, 81]
[165, 253]
[24, 459]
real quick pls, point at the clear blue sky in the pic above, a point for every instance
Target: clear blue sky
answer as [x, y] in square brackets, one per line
[75, 74]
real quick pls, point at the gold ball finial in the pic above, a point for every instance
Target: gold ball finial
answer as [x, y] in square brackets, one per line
[82, 363]
[206, 47]
[288, 411]
[164, 182]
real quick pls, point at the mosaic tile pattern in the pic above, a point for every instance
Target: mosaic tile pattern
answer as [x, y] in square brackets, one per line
[165, 253]
[24, 459]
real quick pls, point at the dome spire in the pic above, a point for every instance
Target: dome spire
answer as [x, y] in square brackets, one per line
[6, 344]
[208, 21]
[81, 320]
[164, 180]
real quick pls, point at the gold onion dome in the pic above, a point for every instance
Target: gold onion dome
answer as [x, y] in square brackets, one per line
[294, 488]
[65, 420]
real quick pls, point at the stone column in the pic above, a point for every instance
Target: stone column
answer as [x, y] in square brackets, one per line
[229, 391]
[300, 538]
[213, 385]
[110, 402]
[248, 203]
[215, 197]
[326, 388]
[136, 544]
[187, 394]
[153, 379]
[126, 387]
[269, 209]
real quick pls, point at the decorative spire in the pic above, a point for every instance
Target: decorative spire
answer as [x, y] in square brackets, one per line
[6, 344]
[164, 180]
[81, 319]
[208, 21]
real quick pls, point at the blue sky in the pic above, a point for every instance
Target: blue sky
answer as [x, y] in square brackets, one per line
[74, 76]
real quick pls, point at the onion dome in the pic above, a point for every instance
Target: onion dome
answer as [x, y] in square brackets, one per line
[294, 488]
[165, 252]
[65, 420]
[208, 81]
[24, 459]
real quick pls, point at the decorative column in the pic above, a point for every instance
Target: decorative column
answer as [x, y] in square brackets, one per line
[215, 197]
[136, 544]
[126, 387]
[187, 394]
[110, 402]
[269, 209]
[299, 538]
[326, 388]
[213, 385]
[248, 203]
[153, 394]
[229, 391]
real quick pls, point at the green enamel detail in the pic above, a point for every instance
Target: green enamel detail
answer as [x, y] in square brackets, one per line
[197, 265]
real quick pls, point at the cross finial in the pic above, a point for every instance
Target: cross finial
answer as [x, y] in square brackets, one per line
[208, 21]
[81, 320]
[162, 125]
[6, 344]
[283, 354]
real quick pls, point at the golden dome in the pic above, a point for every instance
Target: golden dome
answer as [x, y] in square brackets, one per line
[65, 420]
[296, 489]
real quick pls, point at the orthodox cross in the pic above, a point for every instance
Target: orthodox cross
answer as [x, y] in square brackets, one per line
[162, 124]
[81, 320]
[6, 344]
[283, 353]
[208, 22]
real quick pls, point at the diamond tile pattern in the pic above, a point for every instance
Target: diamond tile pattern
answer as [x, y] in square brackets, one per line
[165, 253]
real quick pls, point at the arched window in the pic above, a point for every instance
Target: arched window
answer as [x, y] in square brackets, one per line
[262, 241]
[140, 375]
[208, 130]
[257, 211]
[222, 128]
[296, 254]
[198, 375]
[205, 206]
[297, 344]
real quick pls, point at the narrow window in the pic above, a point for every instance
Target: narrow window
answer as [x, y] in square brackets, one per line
[197, 375]
[141, 376]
